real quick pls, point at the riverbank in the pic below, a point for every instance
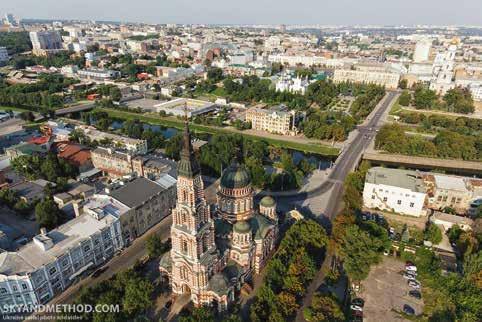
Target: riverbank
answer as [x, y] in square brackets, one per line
[321, 149]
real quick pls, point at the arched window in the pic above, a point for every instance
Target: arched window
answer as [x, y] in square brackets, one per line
[184, 247]
[184, 273]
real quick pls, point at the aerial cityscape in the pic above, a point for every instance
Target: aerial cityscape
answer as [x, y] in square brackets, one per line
[197, 161]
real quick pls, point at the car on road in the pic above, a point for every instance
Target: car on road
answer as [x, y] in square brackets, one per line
[416, 294]
[407, 309]
[414, 284]
[99, 271]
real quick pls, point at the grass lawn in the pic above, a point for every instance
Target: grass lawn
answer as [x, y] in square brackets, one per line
[16, 109]
[396, 108]
[176, 123]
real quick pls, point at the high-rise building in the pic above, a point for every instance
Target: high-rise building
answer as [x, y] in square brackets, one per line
[10, 20]
[3, 55]
[45, 41]
[422, 51]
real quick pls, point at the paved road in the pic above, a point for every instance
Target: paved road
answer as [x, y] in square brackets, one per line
[346, 162]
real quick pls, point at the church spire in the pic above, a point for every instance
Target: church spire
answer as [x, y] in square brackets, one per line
[188, 166]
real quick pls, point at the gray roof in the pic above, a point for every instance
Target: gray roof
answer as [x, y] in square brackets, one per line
[137, 192]
[406, 179]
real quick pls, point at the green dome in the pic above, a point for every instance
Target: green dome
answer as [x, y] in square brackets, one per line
[267, 201]
[235, 176]
[242, 227]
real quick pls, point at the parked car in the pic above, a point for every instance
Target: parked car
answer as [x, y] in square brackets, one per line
[407, 309]
[99, 271]
[416, 294]
[411, 268]
[358, 302]
[168, 304]
[356, 308]
[413, 283]
[358, 314]
[409, 276]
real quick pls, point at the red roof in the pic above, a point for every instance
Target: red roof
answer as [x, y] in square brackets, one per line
[39, 140]
[73, 153]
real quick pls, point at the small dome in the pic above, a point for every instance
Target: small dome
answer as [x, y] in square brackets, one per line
[267, 201]
[242, 227]
[235, 176]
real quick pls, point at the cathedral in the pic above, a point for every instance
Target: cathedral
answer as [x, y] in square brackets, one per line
[215, 249]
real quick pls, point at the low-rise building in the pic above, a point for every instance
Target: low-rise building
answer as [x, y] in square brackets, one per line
[183, 106]
[118, 163]
[45, 267]
[135, 146]
[274, 120]
[97, 74]
[383, 78]
[400, 191]
[447, 221]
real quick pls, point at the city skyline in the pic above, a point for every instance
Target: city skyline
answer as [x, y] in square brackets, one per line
[343, 12]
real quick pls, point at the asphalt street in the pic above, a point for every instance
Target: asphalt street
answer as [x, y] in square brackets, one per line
[346, 162]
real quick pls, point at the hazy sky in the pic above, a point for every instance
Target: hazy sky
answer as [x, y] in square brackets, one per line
[347, 12]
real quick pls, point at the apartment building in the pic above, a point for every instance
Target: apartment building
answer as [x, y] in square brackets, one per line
[45, 42]
[274, 120]
[383, 78]
[46, 266]
[135, 146]
[118, 163]
[142, 203]
[400, 191]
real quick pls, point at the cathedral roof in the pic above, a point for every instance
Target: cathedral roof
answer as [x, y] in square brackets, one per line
[267, 201]
[242, 227]
[219, 284]
[261, 225]
[188, 166]
[235, 176]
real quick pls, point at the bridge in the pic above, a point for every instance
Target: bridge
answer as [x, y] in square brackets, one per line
[75, 109]
[423, 163]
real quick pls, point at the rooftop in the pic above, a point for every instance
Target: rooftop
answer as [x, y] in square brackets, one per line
[137, 192]
[69, 235]
[406, 179]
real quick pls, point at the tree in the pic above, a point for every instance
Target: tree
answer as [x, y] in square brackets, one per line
[403, 84]
[154, 246]
[115, 94]
[137, 297]
[47, 213]
[359, 251]
[324, 308]
[405, 98]
[433, 234]
[199, 314]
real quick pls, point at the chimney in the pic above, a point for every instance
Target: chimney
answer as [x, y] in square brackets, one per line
[43, 231]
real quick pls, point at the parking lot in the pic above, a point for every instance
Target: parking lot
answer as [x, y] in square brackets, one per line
[385, 292]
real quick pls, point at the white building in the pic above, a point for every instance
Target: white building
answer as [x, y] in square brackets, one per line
[3, 55]
[400, 191]
[383, 78]
[443, 71]
[135, 146]
[183, 106]
[297, 85]
[422, 51]
[45, 267]
[97, 74]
